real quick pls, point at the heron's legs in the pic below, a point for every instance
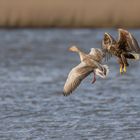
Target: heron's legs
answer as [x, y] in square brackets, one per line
[94, 78]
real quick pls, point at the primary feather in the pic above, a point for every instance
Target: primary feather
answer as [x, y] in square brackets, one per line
[75, 77]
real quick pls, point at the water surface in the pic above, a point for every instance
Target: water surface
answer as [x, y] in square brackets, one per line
[33, 68]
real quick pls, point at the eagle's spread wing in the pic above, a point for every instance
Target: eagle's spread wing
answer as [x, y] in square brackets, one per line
[127, 42]
[75, 77]
[108, 42]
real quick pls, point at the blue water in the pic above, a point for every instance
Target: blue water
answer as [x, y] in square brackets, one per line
[34, 64]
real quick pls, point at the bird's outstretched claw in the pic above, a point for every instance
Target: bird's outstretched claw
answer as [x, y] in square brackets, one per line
[124, 69]
[121, 69]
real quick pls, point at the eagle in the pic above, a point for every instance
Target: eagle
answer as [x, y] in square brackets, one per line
[126, 47]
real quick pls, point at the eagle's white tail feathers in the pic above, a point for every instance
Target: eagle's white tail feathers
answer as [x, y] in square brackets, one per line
[102, 73]
[136, 56]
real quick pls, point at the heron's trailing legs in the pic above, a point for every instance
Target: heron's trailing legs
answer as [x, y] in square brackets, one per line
[94, 78]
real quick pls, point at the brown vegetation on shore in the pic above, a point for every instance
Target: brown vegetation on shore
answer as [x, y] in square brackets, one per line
[69, 13]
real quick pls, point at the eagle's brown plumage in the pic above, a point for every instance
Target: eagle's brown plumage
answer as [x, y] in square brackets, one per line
[126, 47]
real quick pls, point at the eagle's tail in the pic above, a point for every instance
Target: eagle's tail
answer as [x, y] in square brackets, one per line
[135, 56]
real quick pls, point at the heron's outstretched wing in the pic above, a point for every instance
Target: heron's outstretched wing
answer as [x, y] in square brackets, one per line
[127, 41]
[76, 75]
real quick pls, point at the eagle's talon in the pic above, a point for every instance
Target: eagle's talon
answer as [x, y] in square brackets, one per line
[124, 69]
[121, 69]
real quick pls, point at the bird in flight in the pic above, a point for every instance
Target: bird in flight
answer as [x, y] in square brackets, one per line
[126, 47]
[90, 63]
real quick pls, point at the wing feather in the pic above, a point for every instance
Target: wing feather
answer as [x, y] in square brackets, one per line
[127, 41]
[75, 77]
[97, 54]
[108, 42]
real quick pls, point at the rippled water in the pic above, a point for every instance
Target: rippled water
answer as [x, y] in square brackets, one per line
[33, 68]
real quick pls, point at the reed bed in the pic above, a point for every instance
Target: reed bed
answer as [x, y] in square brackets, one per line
[69, 13]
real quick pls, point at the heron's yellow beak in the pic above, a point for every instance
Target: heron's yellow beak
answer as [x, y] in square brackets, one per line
[73, 49]
[70, 49]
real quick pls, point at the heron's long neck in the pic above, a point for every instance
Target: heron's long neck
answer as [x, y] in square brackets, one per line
[82, 55]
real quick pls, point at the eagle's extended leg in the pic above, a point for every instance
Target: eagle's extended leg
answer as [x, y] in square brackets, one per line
[121, 65]
[124, 69]
[125, 63]
[121, 68]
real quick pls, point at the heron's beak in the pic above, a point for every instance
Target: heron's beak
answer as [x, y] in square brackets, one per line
[73, 49]
[70, 49]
